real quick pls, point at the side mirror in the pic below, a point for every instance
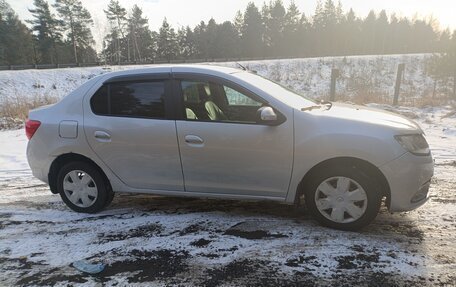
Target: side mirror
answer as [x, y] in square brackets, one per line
[267, 115]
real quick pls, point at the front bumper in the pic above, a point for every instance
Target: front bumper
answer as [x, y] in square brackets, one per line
[409, 177]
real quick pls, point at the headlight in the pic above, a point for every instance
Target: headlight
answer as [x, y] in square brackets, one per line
[415, 144]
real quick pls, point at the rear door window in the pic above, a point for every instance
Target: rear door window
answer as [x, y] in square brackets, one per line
[145, 99]
[138, 99]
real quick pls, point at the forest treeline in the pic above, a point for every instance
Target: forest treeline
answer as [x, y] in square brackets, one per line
[63, 34]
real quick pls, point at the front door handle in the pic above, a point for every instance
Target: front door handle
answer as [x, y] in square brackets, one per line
[102, 136]
[194, 140]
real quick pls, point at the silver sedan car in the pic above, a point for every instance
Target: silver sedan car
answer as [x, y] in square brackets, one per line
[207, 131]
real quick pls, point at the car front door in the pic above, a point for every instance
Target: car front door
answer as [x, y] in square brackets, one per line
[223, 149]
[128, 125]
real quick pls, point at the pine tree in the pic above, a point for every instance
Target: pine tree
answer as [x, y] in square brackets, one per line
[318, 24]
[291, 30]
[424, 37]
[330, 14]
[227, 40]
[139, 35]
[16, 40]
[201, 41]
[404, 36]
[238, 22]
[444, 40]
[274, 24]
[304, 41]
[319, 16]
[368, 33]
[110, 52]
[330, 43]
[275, 31]
[339, 13]
[443, 65]
[211, 36]
[392, 37]
[117, 17]
[76, 21]
[186, 43]
[350, 30]
[381, 30]
[48, 33]
[252, 32]
[167, 42]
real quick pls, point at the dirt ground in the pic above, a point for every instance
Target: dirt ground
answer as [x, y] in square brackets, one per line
[149, 240]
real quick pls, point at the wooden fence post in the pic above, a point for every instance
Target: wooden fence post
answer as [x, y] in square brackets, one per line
[397, 87]
[435, 88]
[332, 91]
[454, 84]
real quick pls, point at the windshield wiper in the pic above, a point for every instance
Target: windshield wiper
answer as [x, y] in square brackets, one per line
[245, 68]
[327, 103]
[311, 108]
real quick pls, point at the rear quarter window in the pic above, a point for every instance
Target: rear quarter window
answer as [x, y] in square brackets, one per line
[99, 101]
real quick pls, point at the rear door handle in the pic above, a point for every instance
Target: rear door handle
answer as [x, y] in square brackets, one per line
[194, 140]
[102, 136]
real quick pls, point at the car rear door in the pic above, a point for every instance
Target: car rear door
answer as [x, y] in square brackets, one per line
[129, 124]
[233, 155]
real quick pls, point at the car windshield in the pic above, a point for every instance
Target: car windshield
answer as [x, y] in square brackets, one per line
[277, 90]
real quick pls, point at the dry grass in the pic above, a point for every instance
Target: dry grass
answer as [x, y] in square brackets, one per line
[14, 109]
[365, 96]
[431, 102]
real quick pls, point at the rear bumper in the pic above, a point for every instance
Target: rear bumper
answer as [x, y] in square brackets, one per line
[39, 162]
[409, 178]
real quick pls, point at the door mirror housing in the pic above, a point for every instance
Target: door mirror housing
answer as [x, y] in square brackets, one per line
[267, 115]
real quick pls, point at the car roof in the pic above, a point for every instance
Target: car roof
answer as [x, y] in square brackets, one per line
[203, 68]
[178, 68]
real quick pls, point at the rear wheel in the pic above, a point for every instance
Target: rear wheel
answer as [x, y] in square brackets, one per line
[83, 188]
[343, 197]
[110, 198]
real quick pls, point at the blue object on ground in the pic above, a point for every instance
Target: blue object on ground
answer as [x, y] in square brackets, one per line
[87, 267]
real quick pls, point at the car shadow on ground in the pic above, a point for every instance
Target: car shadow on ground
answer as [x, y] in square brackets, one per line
[191, 204]
[261, 221]
[387, 227]
[191, 256]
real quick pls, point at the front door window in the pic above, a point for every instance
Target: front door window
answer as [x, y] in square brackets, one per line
[207, 101]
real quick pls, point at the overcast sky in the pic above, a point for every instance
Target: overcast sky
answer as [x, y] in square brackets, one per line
[191, 12]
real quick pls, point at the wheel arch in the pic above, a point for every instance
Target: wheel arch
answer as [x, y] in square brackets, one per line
[364, 165]
[63, 159]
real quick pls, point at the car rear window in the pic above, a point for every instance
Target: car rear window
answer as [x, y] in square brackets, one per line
[131, 99]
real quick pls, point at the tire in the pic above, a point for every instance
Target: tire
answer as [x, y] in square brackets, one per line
[342, 197]
[91, 193]
[110, 197]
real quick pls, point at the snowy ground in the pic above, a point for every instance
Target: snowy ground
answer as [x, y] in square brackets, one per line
[149, 240]
[362, 78]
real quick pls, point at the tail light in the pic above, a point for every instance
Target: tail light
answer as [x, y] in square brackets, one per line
[30, 127]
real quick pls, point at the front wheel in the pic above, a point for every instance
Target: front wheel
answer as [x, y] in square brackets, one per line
[82, 187]
[343, 198]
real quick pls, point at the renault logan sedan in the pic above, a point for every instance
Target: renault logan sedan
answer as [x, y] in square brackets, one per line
[207, 131]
